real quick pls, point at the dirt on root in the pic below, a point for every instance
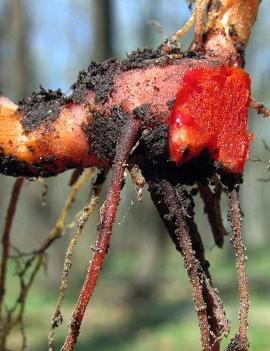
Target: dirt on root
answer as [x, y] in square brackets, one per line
[44, 106]
[40, 108]
[100, 77]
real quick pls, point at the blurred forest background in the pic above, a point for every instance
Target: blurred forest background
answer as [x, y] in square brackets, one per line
[143, 300]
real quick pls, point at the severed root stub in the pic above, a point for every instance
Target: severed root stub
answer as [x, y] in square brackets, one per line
[210, 113]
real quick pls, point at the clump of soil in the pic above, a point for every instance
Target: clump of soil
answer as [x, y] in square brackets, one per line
[40, 108]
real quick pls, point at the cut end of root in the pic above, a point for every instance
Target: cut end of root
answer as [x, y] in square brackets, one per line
[211, 112]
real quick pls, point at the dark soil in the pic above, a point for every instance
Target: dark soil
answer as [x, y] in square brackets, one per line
[100, 76]
[40, 108]
[104, 132]
[43, 107]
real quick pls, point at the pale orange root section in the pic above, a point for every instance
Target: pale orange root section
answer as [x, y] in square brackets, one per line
[228, 28]
[61, 142]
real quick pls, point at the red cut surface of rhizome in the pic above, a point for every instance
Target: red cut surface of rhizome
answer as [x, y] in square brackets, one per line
[211, 112]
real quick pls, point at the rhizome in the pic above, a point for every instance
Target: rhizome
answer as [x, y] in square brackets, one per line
[177, 121]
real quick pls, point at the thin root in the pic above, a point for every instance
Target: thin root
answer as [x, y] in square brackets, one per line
[212, 208]
[240, 341]
[176, 208]
[177, 36]
[126, 142]
[138, 181]
[200, 10]
[86, 213]
[260, 108]
[59, 226]
[6, 236]
[75, 176]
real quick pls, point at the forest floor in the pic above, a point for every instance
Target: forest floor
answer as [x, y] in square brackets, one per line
[164, 321]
